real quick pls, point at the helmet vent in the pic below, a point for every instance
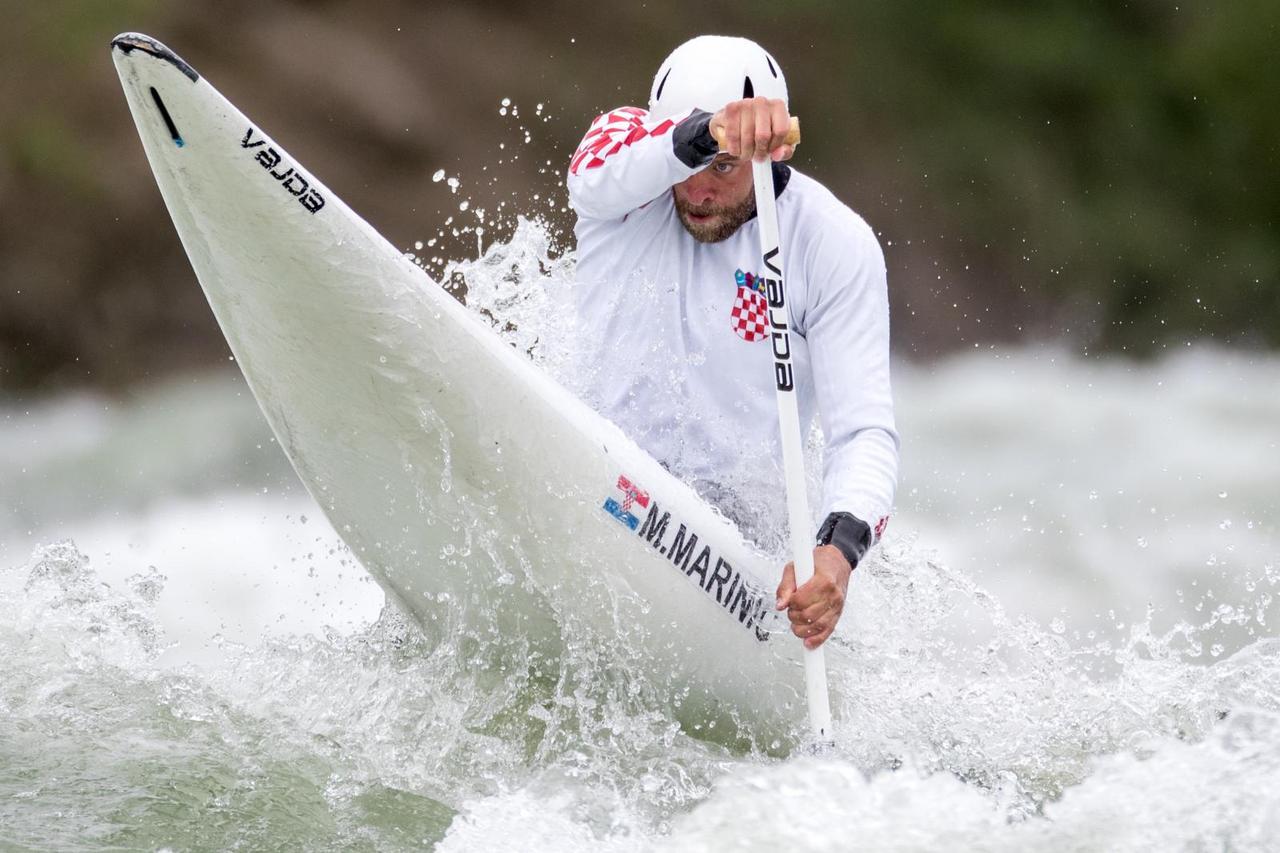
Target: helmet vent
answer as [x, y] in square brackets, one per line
[663, 83]
[772, 70]
[748, 91]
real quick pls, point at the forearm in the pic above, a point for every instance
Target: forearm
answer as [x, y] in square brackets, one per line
[626, 161]
[860, 477]
[849, 345]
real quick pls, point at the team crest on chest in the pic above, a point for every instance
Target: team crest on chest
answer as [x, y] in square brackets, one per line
[750, 314]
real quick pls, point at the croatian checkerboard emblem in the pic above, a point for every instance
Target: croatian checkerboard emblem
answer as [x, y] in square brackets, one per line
[750, 314]
[630, 496]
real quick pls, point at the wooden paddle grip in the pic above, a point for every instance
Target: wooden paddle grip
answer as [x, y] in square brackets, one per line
[793, 135]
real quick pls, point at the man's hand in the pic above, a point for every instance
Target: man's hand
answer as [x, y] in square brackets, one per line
[755, 128]
[815, 607]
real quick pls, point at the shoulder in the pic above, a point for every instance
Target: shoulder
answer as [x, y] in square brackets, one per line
[823, 227]
[620, 116]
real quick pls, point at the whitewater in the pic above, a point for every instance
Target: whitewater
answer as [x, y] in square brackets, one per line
[1066, 642]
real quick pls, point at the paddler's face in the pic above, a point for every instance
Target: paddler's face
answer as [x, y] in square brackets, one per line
[713, 204]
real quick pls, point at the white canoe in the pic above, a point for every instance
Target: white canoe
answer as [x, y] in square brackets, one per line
[478, 492]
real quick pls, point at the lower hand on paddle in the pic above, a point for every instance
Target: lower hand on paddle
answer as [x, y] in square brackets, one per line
[815, 608]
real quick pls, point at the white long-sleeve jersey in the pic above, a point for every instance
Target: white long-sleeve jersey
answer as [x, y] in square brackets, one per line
[682, 361]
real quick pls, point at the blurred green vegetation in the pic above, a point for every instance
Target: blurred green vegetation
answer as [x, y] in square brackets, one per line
[45, 149]
[1103, 174]
[1121, 157]
[69, 32]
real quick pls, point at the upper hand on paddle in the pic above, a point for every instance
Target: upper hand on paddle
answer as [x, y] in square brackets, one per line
[754, 128]
[815, 608]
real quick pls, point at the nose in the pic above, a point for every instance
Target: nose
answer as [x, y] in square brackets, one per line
[700, 190]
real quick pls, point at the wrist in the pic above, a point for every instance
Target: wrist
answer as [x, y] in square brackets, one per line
[828, 559]
[849, 535]
[692, 141]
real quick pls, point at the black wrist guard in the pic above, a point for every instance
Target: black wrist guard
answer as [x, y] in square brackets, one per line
[851, 535]
[692, 141]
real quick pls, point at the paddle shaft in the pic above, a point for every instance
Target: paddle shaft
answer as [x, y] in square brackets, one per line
[815, 668]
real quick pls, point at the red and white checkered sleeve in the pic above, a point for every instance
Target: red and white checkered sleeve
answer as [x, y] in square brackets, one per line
[625, 161]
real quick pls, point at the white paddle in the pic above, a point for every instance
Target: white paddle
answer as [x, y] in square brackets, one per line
[815, 667]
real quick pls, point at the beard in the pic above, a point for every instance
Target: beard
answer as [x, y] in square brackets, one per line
[727, 219]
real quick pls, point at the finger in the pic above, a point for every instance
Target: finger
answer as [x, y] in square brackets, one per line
[719, 130]
[725, 129]
[780, 121]
[811, 614]
[825, 629]
[805, 629]
[825, 621]
[742, 124]
[783, 152]
[817, 589]
[813, 629]
[807, 613]
[764, 131]
[818, 639]
[747, 129]
[787, 587]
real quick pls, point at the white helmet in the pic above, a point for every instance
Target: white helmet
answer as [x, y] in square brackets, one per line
[708, 72]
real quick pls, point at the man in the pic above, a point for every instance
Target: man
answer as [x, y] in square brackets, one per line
[668, 286]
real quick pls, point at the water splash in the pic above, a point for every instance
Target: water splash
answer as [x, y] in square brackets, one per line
[962, 721]
[958, 724]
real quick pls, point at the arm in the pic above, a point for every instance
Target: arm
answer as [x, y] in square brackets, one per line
[627, 160]
[848, 336]
[847, 330]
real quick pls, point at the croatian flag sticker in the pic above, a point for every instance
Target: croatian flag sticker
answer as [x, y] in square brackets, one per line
[750, 314]
[621, 506]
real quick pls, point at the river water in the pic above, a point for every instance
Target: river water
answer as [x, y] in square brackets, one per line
[1067, 641]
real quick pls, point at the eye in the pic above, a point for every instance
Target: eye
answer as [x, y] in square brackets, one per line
[724, 167]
